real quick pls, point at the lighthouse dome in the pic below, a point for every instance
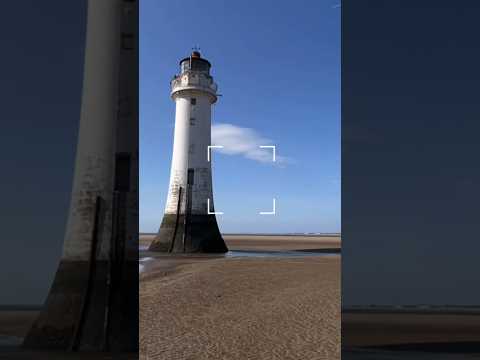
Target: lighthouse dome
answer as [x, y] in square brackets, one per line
[195, 62]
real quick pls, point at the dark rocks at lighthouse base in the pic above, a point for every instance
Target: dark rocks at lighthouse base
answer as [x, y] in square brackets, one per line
[196, 234]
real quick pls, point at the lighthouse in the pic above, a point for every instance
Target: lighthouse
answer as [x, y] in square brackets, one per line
[93, 301]
[189, 224]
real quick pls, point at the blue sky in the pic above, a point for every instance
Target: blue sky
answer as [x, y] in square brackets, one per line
[277, 65]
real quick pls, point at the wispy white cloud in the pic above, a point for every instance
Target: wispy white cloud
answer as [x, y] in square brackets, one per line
[336, 6]
[245, 142]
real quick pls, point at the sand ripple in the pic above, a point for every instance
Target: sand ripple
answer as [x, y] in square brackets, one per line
[243, 309]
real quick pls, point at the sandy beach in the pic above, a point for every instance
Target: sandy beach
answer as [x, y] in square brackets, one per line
[16, 322]
[242, 308]
[14, 325]
[267, 307]
[228, 307]
[384, 329]
[426, 333]
[270, 242]
[410, 334]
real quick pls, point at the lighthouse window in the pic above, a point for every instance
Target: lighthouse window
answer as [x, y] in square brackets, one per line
[200, 65]
[185, 66]
[192, 121]
[193, 101]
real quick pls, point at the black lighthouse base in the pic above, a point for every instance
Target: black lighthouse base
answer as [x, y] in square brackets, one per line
[87, 309]
[189, 234]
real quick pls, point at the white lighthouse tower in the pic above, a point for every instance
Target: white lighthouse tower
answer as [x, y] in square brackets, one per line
[93, 302]
[188, 224]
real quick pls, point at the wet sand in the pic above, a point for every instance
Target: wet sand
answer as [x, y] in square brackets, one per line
[271, 242]
[19, 354]
[411, 334]
[281, 243]
[217, 307]
[16, 323]
[211, 307]
[380, 329]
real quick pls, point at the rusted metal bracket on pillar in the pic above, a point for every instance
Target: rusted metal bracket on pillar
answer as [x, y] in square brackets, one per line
[116, 257]
[188, 207]
[77, 335]
[177, 219]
